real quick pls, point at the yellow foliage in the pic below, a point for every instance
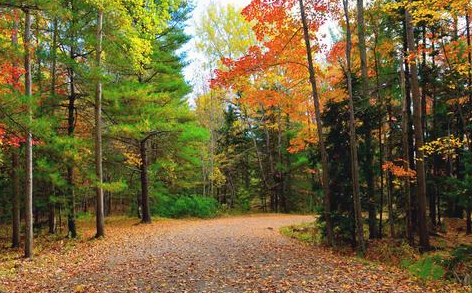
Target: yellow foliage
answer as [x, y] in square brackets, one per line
[218, 177]
[132, 159]
[445, 146]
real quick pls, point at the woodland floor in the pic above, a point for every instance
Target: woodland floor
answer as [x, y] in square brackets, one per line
[235, 254]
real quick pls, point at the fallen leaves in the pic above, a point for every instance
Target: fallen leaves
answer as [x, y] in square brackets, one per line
[236, 254]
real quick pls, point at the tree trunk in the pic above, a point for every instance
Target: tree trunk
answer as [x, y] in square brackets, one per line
[469, 73]
[15, 167]
[413, 201]
[16, 198]
[51, 204]
[469, 222]
[434, 133]
[369, 165]
[418, 130]
[406, 157]
[269, 148]
[353, 139]
[29, 141]
[319, 126]
[52, 218]
[72, 231]
[144, 185]
[259, 161]
[381, 146]
[100, 215]
[389, 155]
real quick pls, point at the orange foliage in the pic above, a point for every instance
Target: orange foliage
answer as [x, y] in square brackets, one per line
[397, 168]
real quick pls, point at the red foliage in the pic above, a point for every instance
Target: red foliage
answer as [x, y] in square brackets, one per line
[9, 139]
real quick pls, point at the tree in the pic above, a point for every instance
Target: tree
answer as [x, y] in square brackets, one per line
[100, 215]
[319, 127]
[15, 164]
[353, 138]
[420, 167]
[29, 140]
[369, 168]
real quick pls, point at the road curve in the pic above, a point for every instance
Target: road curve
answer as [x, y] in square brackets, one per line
[236, 254]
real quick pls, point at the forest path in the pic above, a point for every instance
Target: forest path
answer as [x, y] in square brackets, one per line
[236, 254]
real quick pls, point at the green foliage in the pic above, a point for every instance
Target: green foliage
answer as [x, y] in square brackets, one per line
[223, 31]
[85, 216]
[114, 187]
[427, 268]
[169, 206]
[306, 232]
[243, 200]
[462, 254]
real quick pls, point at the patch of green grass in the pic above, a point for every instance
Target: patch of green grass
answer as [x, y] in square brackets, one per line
[306, 233]
[427, 268]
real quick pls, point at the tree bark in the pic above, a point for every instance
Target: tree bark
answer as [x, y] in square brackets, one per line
[469, 73]
[51, 204]
[100, 215]
[413, 200]
[469, 55]
[369, 165]
[434, 133]
[144, 184]
[353, 139]
[72, 230]
[380, 129]
[29, 141]
[52, 212]
[406, 157]
[418, 131]
[15, 167]
[259, 161]
[319, 126]
[16, 198]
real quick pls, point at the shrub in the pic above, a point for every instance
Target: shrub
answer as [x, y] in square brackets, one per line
[184, 206]
[391, 251]
[243, 200]
[427, 268]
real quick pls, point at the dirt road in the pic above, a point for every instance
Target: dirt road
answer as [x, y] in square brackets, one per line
[238, 254]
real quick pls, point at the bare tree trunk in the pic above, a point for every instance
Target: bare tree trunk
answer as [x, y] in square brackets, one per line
[469, 72]
[16, 198]
[406, 157]
[70, 132]
[29, 141]
[319, 126]
[100, 215]
[369, 165]
[353, 139]
[269, 148]
[420, 167]
[381, 146]
[435, 194]
[411, 149]
[51, 204]
[144, 184]
[15, 167]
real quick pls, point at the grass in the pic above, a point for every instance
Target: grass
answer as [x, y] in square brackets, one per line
[307, 232]
[431, 266]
